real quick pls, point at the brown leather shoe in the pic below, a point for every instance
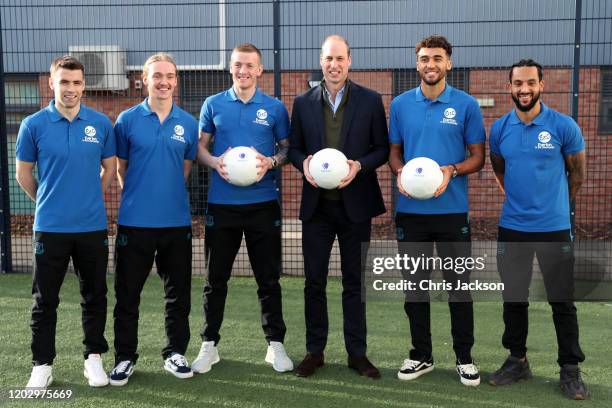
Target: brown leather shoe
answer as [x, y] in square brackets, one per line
[363, 366]
[309, 364]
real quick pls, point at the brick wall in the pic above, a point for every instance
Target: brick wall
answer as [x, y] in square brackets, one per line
[111, 103]
[594, 204]
[295, 83]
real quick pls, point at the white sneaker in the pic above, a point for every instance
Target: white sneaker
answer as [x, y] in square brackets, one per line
[277, 356]
[41, 377]
[94, 371]
[468, 374]
[412, 369]
[177, 365]
[207, 356]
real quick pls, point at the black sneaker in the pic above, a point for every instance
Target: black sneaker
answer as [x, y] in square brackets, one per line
[468, 374]
[412, 369]
[121, 373]
[177, 365]
[571, 382]
[511, 371]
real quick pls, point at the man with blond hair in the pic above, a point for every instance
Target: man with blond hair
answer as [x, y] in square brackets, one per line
[68, 142]
[156, 144]
[243, 116]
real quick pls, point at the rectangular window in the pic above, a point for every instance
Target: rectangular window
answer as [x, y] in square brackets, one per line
[605, 107]
[22, 98]
[406, 79]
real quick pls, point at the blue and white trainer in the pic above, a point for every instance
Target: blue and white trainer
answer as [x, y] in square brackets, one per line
[412, 369]
[121, 373]
[177, 365]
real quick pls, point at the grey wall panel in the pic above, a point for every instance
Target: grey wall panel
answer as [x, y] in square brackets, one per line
[485, 33]
[596, 32]
[191, 32]
[383, 34]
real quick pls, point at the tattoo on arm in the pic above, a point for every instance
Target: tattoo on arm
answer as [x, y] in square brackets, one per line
[283, 150]
[575, 165]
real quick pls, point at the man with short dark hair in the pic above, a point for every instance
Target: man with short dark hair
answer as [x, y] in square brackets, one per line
[440, 122]
[343, 115]
[69, 143]
[243, 116]
[539, 161]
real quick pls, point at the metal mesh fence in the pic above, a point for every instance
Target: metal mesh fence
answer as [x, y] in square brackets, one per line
[113, 38]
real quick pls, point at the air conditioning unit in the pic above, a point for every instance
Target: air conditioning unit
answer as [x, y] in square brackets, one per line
[105, 66]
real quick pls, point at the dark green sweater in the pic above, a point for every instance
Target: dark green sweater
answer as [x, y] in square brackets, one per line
[333, 129]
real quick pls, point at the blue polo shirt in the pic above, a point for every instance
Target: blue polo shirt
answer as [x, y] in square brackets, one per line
[154, 192]
[441, 130]
[260, 123]
[68, 156]
[537, 196]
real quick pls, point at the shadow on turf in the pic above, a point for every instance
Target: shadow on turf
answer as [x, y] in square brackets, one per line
[254, 383]
[251, 383]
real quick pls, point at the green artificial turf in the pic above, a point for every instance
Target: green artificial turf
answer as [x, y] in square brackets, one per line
[243, 379]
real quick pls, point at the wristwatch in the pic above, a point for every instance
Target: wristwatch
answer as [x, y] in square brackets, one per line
[274, 162]
[454, 170]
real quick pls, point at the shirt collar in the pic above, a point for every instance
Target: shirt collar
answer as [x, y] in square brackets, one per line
[444, 97]
[146, 109]
[541, 118]
[340, 92]
[538, 120]
[56, 116]
[256, 98]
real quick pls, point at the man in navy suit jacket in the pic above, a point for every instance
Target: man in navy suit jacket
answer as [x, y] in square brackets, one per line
[342, 115]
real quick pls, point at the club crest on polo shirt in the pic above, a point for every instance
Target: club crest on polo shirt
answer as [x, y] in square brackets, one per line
[90, 135]
[544, 139]
[179, 131]
[262, 115]
[449, 116]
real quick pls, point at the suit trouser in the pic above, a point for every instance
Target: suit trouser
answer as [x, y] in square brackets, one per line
[515, 264]
[451, 232]
[318, 234]
[135, 251]
[261, 225]
[52, 253]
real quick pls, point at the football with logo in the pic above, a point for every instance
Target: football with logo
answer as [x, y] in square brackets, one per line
[241, 166]
[327, 167]
[421, 177]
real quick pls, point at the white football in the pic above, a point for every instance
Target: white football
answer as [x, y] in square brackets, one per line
[240, 164]
[421, 177]
[327, 167]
